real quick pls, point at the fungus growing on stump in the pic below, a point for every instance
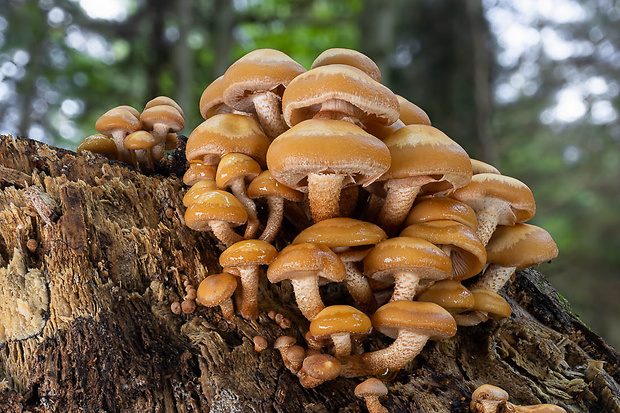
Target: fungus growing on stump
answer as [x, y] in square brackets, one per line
[371, 389]
[117, 123]
[99, 144]
[217, 290]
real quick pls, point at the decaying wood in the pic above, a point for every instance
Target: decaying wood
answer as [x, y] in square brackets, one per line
[113, 252]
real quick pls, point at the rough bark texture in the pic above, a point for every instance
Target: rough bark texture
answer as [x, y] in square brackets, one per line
[114, 253]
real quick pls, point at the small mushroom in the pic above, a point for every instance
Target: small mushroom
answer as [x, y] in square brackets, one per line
[412, 114]
[216, 290]
[118, 122]
[487, 304]
[371, 389]
[440, 208]
[197, 191]
[348, 57]
[199, 171]
[162, 117]
[99, 144]
[479, 167]
[488, 399]
[317, 369]
[283, 344]
[260, 343]
[139, 144]
[449, 294]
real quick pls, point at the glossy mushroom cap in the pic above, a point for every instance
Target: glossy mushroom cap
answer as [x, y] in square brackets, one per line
[215, 206]
[251, 252]
[371, 387]
[227, 133]
[372, 102]
[117, 119]
[196, 192]
[166, 115]
[488, 304]
[348, 57]
[215, 289]
[315, 146]
[211, 99]
[139, 140]
[265, 185]
[520, 246]
[166, 101]
[199, 171]
[340, 319]
[99, 144]
[479, 167]
[426, 319]
[440, 208]
[235, 166]
[342, 232]
[412, 114]
[449, 294]
[131, 109]
[300, 259]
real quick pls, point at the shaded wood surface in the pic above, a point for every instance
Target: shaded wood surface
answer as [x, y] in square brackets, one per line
[114, 252]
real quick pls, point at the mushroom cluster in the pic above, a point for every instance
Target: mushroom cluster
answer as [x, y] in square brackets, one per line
[421, 236]
[139, 139]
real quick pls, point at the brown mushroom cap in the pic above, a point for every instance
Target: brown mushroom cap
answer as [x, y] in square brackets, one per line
[371, 387]
[100, 144]
[427, 319]
[520, 246]
[322, 367]
[117, 119]
[251, 252]
[265, 185]
[131, 109]
[215, 206]
[234, 166]
[342, 232]
[412, 114]
[211, 99]
[195, 193]
[166, 101]
[340, 319]
[303, 97]
[227, 133]
[487, 395]
[348, 57]
[300, 259]
[259, 71]
[139, 140]
[199, 171]
[479, 167]
[492, 303]
[439, 208]
[215, 289]
[315, 146]
[449, 294]
[166, 115]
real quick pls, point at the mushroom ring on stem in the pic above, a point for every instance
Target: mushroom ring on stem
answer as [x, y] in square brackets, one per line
[310, 158]
[412, 324]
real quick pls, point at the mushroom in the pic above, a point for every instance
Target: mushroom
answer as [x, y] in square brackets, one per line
[304, 264]
[139, 144]
[440, 208]
[339, 323]
[162, 118]
[260, 343]
[371, 389]
[411, 324]
[497, 200]
[479, 167]
[407, 262]
[309, 157]
[99, 144]
[514, 248]
[118, 122]
[246, 257]
[199, 171]
[412, 114]
[538, 408]
[217, 211]
[254, 84]
[488, 399]
[196, 192]
[164, 100]
[292, 355]
[449, 294]
[265, 186]
[348, 57]
[351, 240]
[234, 171]
[487, 304]
[317, 369]
[420, 155]
[339, 92]
[216, 290]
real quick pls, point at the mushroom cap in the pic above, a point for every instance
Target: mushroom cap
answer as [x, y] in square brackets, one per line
[259, 71]
[195, 193]
[236, 166]
[322, 367]
[422, 150]
[404, 253]
[520, 246]
[428, 319]
[284, 342]
[215, 206]
[340, 319]
[315, 146]
[449, 294]
[487, 392]
[468, 254]
[265, 185]
[303, 97]
[199, 171]
[342, 232]
[172, 141]
[117, 119]
[164, 100]
[139, 140]
[301, 260]
[250, 252]
[227, 133]
[131, 109]
[162, 114]
[348, 57]
[500, 187]
[211, 98]
[479, 167]
[371, 387]
[491, 302]
[99, 143]
[215, 289]
[438, 208]
[412, 114]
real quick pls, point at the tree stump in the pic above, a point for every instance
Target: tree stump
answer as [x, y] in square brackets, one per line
[93, 253]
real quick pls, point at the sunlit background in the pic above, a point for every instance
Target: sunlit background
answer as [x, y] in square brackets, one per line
[530, 86]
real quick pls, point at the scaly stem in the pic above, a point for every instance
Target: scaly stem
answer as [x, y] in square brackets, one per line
[324, 195]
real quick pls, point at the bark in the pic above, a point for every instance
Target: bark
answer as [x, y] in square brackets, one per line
[114, 253]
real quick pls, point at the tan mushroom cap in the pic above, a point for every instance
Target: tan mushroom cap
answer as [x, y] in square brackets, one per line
[422, 150]
[227, 133]
[196, 192]
[491, 302]
[342, 232]
[265, 185]
[322, 367]
[166, 101]
[340, 319]
[261, 70]
[422, 318]
[100, 144]
[520, 246]
[211, 99]
[199, 171]
[412, 114]
[479, 167]
[117, 119]
[371, 387]
[348, 57]
[449, 294]
[404, 253]
[162, 114]
[467, 252]
[315, 146]
[303, 97]
[139, 140]
[131, 109]
[172, 141]
[439, 208]
[300, 259]
[487, 394]
[215, 289]
[248, 253]
[236, 166]
[215, 206]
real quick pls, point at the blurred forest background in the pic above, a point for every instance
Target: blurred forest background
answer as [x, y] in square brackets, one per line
[529, 86]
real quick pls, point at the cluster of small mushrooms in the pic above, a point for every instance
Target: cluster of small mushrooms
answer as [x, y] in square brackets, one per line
[421, 236]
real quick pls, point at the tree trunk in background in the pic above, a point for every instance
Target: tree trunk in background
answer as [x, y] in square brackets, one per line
[184, 60]
[159, 56]
[113, 253]
[224, 23]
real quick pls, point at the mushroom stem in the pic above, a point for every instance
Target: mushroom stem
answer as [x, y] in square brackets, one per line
[494, 278]
[375, 203]
[123, 153]
[471, 318]
[338, 109]
[274, 221]
[224, 233]
[359, 288]
[488, 218]
[160, 130]
[249, 292]
[374, 405]
[228, 310]
[404, 349]
[238, 189]
[342, 346]
[324, 195]
[405, 286]
[307, 296]
[348, 200]
[400, 196]
[268, 109]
